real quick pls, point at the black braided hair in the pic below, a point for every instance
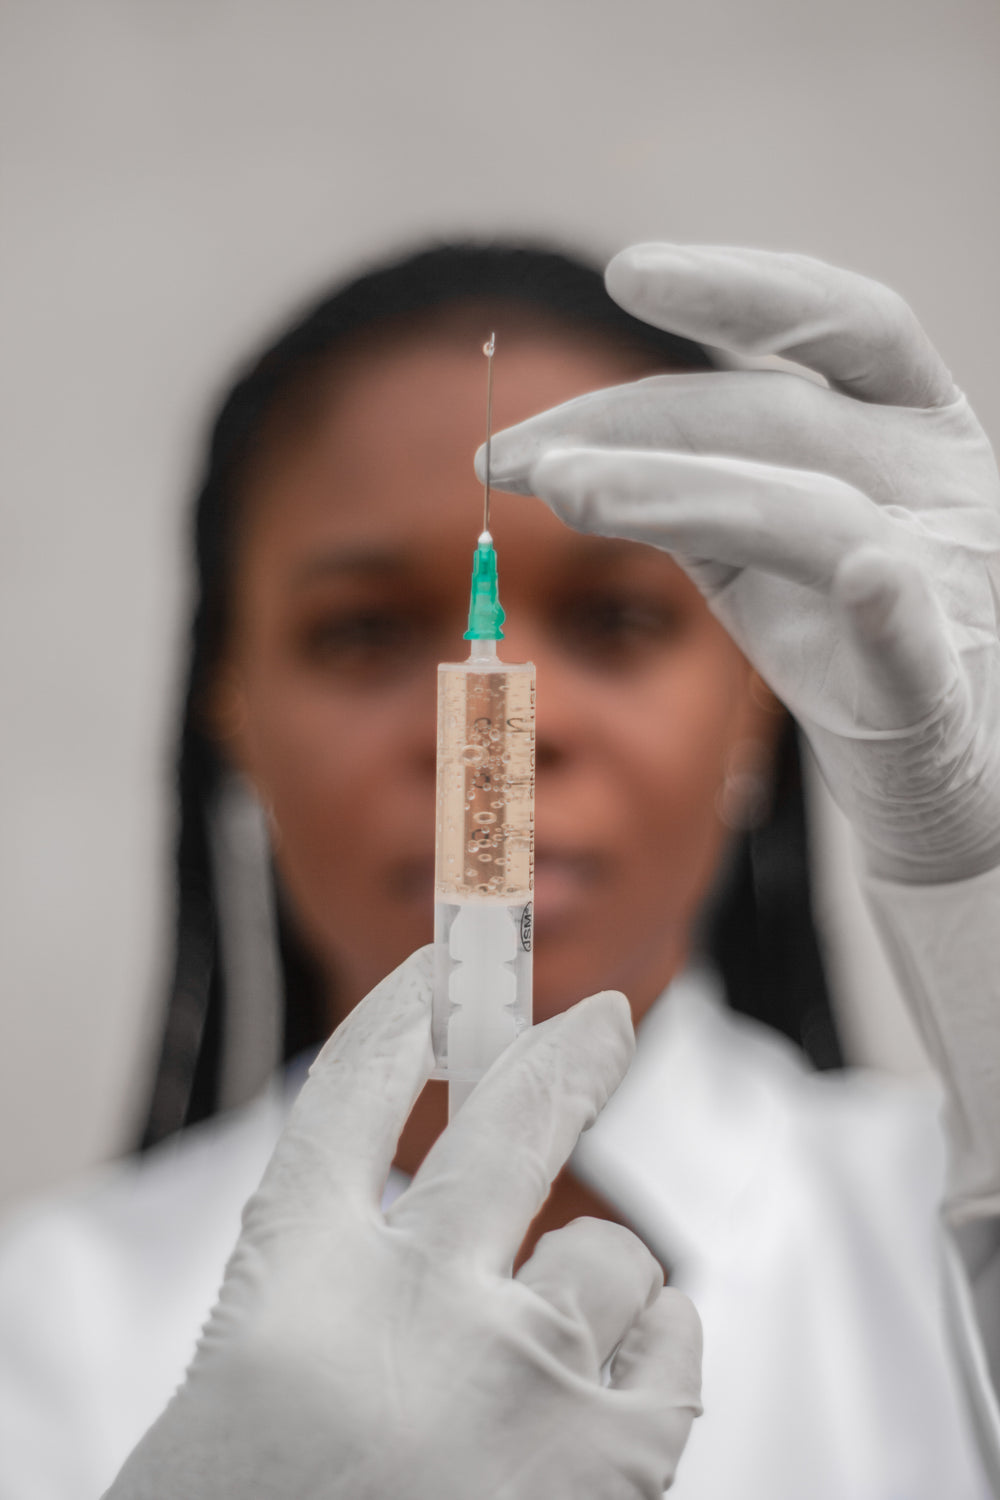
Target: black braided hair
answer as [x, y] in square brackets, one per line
[760, 936]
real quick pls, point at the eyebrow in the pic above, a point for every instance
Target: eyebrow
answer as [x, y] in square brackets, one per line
[375, 561]
[606, 551]
[362, 559]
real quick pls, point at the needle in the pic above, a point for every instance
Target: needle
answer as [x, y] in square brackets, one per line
[488, 349]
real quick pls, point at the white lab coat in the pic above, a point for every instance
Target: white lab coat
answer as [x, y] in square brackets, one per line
[801, 1212]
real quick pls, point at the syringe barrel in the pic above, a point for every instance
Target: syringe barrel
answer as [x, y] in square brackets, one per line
[484, 862]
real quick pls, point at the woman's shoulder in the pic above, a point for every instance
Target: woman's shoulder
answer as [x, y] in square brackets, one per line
[104, 1286]
[147, 1203]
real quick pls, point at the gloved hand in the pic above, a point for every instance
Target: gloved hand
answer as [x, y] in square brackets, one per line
[353, 1356]
[847, 537]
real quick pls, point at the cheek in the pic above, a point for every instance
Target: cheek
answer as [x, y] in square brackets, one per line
[677, 745]
[350, 787]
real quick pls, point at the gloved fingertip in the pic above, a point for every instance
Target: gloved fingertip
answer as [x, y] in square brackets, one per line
[507, 468]
[679, 1317]
[868, 584]
[663, 1352]
[596, 1032]
[622, 277]
[614, 1008]
[398, 1002]
[613, 1000]
[632, 274]
[610, 1012]
[893, 620]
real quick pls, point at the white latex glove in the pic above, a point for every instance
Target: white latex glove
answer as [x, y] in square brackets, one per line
[847, 537]
[356, 1356]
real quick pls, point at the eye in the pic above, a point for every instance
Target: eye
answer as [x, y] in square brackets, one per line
[610, 626]
[365, 641]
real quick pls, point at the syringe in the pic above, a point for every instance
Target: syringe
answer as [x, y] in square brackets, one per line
[484, 849]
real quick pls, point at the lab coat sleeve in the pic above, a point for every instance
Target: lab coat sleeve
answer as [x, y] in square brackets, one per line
[944, 943]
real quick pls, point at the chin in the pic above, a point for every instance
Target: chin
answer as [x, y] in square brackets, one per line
[555, 989]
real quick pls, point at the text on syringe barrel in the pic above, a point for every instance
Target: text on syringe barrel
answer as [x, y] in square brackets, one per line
[484, 862]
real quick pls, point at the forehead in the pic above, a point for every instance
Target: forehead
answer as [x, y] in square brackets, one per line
[384, 447]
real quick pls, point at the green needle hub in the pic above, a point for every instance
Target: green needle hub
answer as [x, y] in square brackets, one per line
[486, 614]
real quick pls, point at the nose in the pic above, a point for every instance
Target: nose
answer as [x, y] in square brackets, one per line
[561, 711]
[421, 726]
[560, 720]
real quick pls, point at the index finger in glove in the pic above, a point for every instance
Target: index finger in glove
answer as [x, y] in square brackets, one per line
[764, 416]
[342, 1132]
[857, 333]
[716, 514]
[663, 1350]
[486, 1177]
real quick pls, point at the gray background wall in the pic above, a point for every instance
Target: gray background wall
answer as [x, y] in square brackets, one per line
[179, 173]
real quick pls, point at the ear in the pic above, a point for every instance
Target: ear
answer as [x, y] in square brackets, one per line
[225, 718]
[744, 798]
[767, 713]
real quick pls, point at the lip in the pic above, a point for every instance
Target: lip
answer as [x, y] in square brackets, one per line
[564, 879]
[412, 879]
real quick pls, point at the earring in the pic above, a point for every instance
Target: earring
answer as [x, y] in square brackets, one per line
[743, 801]
[221, 709]
[763, 697]
[240, 853]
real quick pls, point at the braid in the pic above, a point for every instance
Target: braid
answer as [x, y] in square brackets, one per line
[759, 931]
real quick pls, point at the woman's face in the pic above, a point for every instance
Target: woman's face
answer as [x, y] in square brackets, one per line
[352, 584]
